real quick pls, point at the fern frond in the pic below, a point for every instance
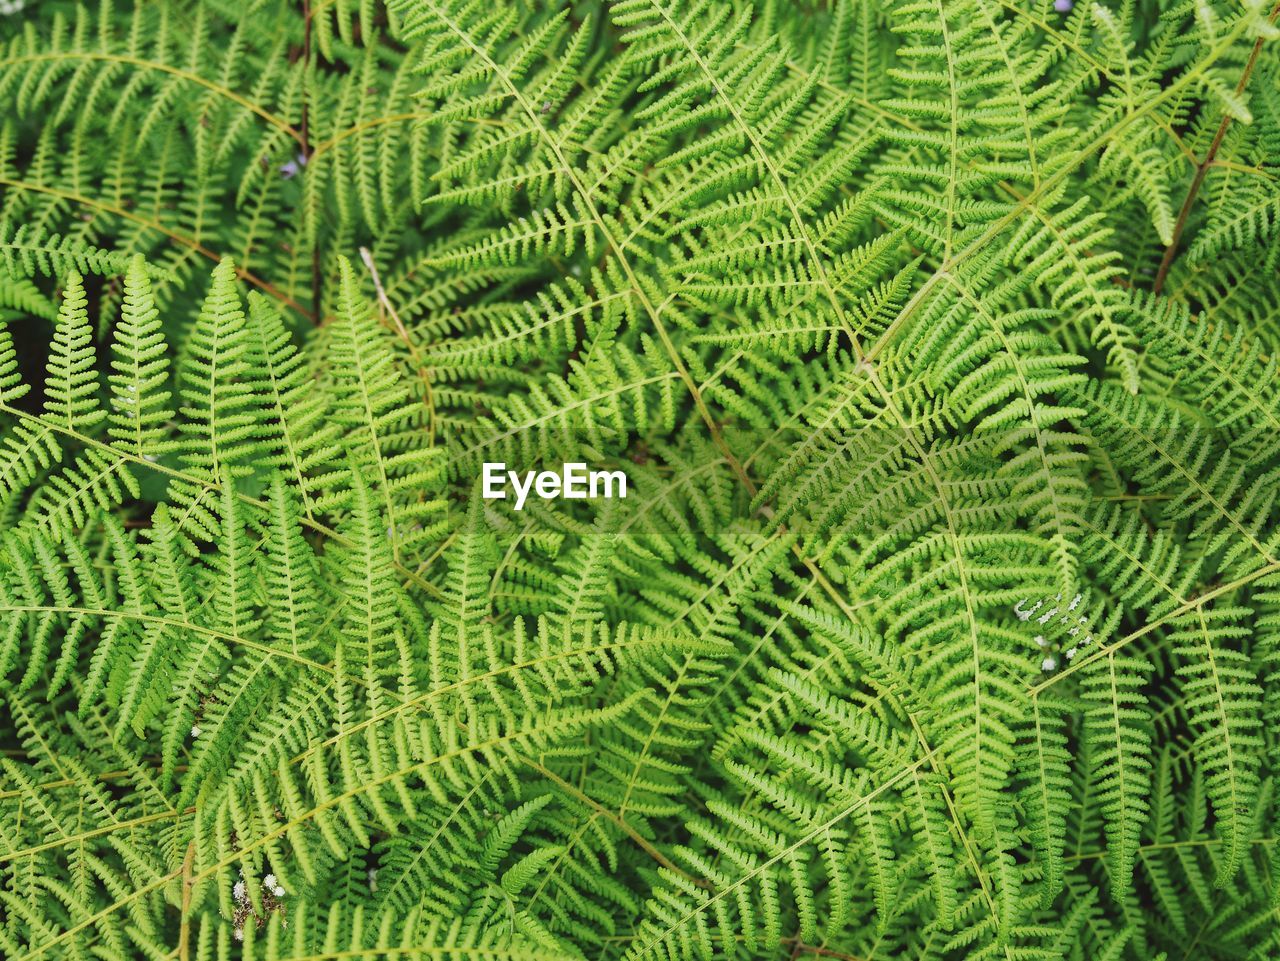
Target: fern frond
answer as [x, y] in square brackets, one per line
[936, 342]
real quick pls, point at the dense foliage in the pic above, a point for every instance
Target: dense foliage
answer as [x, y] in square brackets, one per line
[937, 339]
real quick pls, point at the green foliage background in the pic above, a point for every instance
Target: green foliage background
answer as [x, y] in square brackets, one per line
[938, 339]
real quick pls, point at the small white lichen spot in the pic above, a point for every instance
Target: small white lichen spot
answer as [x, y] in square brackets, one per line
[278, 890]
[1040, 641]
[237, 892]
[1049, 664]
[269, 881]
[1026, 614]
[1071, 653]
[238, 934]
[195, 731]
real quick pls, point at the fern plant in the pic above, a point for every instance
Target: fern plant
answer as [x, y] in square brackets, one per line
[936, 342]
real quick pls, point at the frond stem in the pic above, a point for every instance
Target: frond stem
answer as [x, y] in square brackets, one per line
[1203, 168]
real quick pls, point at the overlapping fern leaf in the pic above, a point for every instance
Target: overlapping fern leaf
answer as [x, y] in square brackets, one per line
[937, 342]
